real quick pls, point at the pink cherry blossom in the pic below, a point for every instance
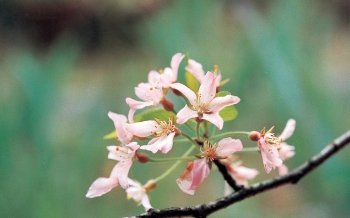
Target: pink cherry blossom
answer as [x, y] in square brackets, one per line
[268, 145]
[139, 193]
[124, 136]
[204, 105]
[164, 134]
[150, 94]
[153, 92]
[125, 154]
[198, 170]
[273, 151]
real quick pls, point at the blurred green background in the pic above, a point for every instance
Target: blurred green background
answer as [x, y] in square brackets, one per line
[65, 64]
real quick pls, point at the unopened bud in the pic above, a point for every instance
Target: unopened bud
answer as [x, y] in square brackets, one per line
[176, 92]
[142, 157]
[167, 105]
[254, 135]
[150, 185]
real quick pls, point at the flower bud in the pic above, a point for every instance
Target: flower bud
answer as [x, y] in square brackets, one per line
[142, 157]
[176, 92]
[150, 185]
[254, 136]
[167, 105]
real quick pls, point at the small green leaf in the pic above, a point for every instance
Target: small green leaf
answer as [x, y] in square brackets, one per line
[228, 113]
[159, 113]
[222, 94]
[111, 135]
[191, 82]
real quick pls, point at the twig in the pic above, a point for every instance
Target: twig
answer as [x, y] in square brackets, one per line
[292, 177]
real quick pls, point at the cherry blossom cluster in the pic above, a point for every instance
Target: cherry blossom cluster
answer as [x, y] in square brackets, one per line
[153, 125]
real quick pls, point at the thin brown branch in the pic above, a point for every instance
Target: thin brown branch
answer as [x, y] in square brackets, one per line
[292, 177]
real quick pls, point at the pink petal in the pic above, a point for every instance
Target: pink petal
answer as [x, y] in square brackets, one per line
[167, 77]
[121, 171]
[288, 130]
[119, 123]
[185, 114]
[185, 180]
[188, 93]
[175, 63]
[228, 146]
[154, 77]
[200, 172]
[269, 156]
[121, 155]
[143, 129]
[282, 170]
[163, 143]
[286, 151]
[101, 186]
[207, 89]
[219, 103]
[185, 184]
[245, 172]
[168, 143]
[215, 119]
[135, 105]
[196, 69]
[146, 202]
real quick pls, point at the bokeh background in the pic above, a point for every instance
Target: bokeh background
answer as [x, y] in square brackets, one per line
[65, 64]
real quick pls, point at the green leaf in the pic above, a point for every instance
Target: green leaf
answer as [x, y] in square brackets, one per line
[222, 94]
[111, 135]
[159, 113]
[228, 113]
[191, 82]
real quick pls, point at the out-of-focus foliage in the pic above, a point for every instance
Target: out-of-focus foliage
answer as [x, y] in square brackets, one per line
[284, 59]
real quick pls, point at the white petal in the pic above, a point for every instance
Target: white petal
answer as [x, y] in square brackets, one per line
[214, 119]
[101, 186]
[228, 146]
[288, 130]
[188, 93]
[207, 89]
[143, 129]
[175, 63]
[219, 103]
[196, 69]
[185, 114]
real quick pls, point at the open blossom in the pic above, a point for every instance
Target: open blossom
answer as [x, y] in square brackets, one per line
[124, 136]
[203, 105]
[286, 151]
[163, 132]
[270, 147]
[150, 94]
[139, 193]
[199, 169]
[125, 154]
[153, 92]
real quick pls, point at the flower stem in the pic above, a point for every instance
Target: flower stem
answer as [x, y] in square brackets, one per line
[189, 138]
[197, 130]
[175, 164]
[226, 134]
